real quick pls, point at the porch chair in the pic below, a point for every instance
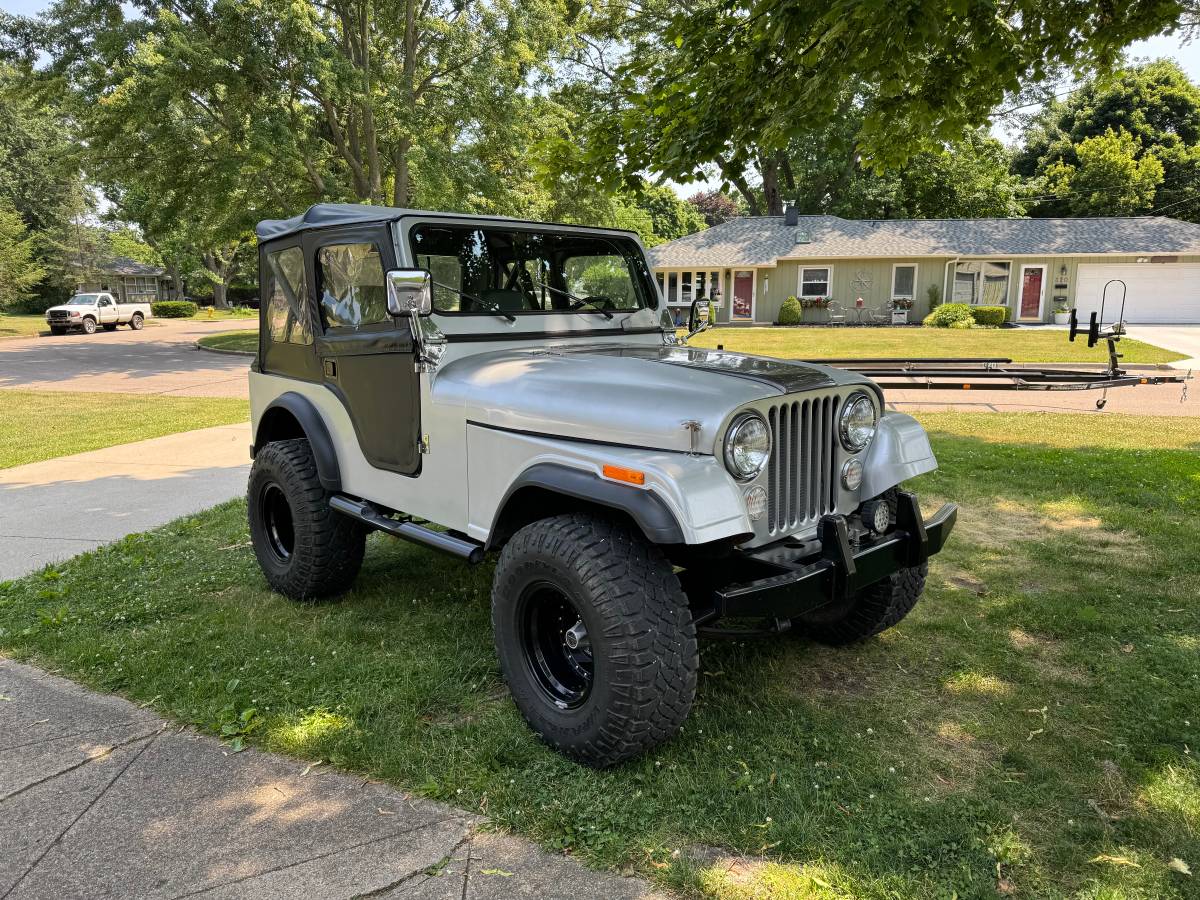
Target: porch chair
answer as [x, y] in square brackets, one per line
[882, 314]
[836, 313]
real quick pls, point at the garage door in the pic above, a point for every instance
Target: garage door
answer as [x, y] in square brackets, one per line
[1158, 292]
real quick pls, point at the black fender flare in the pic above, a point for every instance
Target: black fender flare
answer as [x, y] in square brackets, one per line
[305, 412]
[647, 509]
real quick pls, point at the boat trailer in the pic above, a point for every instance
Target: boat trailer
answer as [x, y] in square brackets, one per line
[1000, 374]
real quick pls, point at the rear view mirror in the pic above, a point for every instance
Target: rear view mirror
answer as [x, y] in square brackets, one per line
[699, 317]
[409, 293]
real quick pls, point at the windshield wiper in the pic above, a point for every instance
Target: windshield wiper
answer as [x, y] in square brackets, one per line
[576, 302]
[491, 307]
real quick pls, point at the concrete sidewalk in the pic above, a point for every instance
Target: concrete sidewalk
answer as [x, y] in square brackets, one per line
[99, 798]
[50, 511]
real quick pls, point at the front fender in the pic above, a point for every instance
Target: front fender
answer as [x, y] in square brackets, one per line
[899, 451]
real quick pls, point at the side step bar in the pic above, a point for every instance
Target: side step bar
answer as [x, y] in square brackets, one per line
[409, 531]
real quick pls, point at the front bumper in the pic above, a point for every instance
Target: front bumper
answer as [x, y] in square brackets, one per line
[795, 577]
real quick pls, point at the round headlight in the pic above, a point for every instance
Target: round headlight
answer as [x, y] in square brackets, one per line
[747, 446]
[857, 425]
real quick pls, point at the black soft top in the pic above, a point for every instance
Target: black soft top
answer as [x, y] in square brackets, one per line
[324, 215]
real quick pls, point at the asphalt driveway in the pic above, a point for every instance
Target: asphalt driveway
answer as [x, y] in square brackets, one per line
[160, 359]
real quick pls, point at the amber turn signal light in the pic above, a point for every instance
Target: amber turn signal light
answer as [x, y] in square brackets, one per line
[620, 473]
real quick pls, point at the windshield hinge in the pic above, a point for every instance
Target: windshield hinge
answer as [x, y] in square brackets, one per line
[423, 444]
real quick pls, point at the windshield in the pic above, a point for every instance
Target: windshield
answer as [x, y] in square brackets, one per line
[512, 272]
[83, 300]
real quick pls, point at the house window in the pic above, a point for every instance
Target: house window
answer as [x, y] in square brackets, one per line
[814, 282]
[981, 282]
[904, 282]
[679, 288]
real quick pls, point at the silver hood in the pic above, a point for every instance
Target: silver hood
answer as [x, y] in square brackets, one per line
[638, 396]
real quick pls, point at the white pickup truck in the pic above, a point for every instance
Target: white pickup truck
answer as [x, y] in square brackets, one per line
[89, 311]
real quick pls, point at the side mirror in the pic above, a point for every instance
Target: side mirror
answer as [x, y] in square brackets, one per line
[700, 317]
[409, 293]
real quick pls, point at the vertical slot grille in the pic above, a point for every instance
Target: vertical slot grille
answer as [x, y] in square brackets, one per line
[802, 472]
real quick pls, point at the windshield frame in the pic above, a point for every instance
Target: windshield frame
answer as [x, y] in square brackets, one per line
[77, 299]
[624, 244]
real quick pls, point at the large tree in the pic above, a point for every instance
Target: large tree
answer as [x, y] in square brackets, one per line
[731, 83]
[1126, 144]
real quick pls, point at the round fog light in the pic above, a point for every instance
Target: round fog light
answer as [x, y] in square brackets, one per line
[852, 473]
[756, 502]
[876, 516]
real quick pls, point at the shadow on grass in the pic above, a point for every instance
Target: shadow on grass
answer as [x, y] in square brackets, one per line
[1026, 729]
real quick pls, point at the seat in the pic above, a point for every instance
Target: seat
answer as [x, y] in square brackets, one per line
[506, 299]
[836, 313]
[882, 315]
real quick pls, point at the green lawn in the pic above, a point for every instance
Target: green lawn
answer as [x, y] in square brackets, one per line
[1031, 729]
[39, 425]
[1017, 344]
[246, 341]
[240, 313]
[12, 325]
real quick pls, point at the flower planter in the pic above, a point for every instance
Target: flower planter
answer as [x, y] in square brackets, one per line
[899, 316]
[1062, 318]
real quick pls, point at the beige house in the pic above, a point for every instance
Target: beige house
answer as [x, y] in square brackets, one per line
[1029, 265]
[128, 280]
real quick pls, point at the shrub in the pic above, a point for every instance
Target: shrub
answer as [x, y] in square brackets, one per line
[174, 309]
[790, 313]
[935, 296]
[946, 315]
[993, 316]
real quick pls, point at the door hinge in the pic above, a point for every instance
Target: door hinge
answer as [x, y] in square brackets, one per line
[423, 444]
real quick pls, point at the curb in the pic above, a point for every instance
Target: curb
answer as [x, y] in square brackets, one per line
[200, 346]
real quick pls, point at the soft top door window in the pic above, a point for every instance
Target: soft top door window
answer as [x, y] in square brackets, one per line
[353, 293]
[286, 318]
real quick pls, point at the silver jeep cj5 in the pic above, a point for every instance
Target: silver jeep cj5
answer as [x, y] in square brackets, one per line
[484, 384]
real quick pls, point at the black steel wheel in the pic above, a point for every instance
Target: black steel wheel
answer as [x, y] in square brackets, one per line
[556, 645]
[306, 550]
[594, 636]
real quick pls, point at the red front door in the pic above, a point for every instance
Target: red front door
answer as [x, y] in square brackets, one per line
[1031, 292]
[743, 295]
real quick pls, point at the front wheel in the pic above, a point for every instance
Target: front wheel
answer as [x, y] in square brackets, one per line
[57, 330]
[137, 322]
[594, 636]
[89, 326]
[306, 550]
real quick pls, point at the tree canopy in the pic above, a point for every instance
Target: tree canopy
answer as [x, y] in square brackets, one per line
[1127, 144]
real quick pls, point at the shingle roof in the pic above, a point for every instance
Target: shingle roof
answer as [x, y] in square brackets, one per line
[763, 240]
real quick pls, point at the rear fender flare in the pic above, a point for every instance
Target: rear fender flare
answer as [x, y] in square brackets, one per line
[278, 422]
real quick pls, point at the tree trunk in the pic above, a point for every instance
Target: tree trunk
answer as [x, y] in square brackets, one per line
[769, 169]
[400, 186]
[220, 300]
[176, 281]
[214, 262]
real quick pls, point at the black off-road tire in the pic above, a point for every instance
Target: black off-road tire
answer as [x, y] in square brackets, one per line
[111, 326]
[88, 325]
[306, 550]
[57, 330]
[643, 650]
[137, 321]
[868, 612]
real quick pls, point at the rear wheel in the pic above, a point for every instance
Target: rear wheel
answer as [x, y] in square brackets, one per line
[89, 325]
[137, 322]
[306, 550]
[594, 636]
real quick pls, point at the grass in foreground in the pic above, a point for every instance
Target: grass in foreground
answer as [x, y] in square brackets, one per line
[246, 341]
[39, 425]
[234, 312]
[1031, 728]
[1017, 344]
